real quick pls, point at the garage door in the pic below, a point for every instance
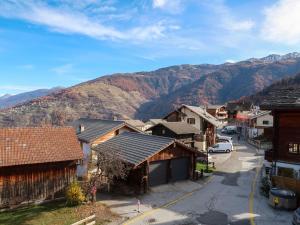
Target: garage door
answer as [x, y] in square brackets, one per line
[180, 169]
[158, 173]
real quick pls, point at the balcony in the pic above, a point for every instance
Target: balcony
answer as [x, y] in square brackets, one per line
[269, 155]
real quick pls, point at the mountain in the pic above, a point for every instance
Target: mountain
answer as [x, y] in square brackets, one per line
[290, 82]
[152, 94]
[7, 100]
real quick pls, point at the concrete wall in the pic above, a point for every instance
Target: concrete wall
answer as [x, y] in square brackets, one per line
[198, 121]
[268, 117]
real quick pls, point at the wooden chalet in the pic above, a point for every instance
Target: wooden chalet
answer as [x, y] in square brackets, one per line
[181, 131]
[36, 163]
[154, 160]
[91, 132]
[285, 155]
[200, 119]
[218, 111]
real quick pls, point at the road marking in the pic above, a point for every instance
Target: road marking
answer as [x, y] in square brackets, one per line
[251, 196]
[167, 205]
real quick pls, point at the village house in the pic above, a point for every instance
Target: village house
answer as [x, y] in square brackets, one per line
[181, 131]
[137, 124]
[218, 111]
[258, 122]
[152, 122]
[91, 132]
[285, 155]
[154, 160]
[36, 163]
[200, 119]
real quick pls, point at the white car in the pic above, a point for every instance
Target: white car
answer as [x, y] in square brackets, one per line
[221, 147]
[224, 137]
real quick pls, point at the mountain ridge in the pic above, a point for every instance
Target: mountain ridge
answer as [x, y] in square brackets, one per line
[151, 94]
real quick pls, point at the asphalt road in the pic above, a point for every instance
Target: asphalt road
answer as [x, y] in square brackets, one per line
[231, 197]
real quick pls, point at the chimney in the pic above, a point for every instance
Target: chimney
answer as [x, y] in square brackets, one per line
[81, 128]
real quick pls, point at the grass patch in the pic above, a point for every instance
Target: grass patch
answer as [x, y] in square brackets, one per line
[202, 166]
[56, 213]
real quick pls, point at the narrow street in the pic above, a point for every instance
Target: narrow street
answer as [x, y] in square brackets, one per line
[226, 199]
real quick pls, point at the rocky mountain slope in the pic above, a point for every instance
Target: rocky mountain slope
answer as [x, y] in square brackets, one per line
[152, 94]
[7, 101]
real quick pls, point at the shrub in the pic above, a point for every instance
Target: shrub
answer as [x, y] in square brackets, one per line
[74, 194]
[265, 186]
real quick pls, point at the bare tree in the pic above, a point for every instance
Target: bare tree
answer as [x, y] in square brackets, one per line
[110, 166]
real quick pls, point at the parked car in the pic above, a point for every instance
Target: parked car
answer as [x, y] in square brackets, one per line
[229, 130]
[221, 147]
[221, 138]
[296, 217]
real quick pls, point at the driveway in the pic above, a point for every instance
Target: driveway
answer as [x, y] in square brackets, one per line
[231, 197]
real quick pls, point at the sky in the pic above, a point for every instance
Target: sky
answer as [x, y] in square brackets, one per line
[51, 43]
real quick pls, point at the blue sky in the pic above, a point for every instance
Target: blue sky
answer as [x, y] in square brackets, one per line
[63, 42]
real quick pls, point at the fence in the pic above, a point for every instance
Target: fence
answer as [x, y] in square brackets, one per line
[261, 144]
[91, 220]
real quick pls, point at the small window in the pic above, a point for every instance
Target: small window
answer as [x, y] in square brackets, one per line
[265, 122]
[216, 146]
[191, 120]
[163, 131]
[294, 148]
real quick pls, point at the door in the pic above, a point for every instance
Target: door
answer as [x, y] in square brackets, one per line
[158, 172]
[180, 169]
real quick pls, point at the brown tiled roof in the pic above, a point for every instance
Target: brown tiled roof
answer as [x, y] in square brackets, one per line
[31, 145]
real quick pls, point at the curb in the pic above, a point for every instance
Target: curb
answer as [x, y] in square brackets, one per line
[166, 205]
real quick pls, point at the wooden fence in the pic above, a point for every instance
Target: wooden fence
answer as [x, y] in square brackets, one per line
[91, 220]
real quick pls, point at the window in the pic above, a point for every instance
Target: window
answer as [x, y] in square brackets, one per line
[163, 131]
[294, 148]
[265, 122]
[191, 120]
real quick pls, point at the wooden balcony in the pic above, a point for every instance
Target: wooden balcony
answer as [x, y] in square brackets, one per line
[269, 155]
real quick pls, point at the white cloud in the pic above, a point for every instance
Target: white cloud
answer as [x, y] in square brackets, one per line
[68, 20]
[171, 6]
[226, 18]
[281, 22]
[159, 3]
[27, 66]
[63, 69]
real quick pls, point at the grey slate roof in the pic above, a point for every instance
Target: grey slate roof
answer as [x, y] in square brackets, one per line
[215, 106]
[284, 98]
[135, 148]
[259, 114]
[95, 128]
[179, 127]
[205, 115]
[135, 123]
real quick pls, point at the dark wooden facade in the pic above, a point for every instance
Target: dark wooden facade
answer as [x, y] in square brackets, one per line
[286, 132]
[161, 130]
[139, 176]
[28, 183]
